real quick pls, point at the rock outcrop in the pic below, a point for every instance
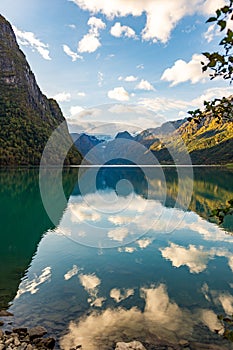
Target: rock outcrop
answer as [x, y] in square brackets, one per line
[27, 117]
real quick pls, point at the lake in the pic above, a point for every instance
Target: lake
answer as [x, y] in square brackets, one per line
[123, 253]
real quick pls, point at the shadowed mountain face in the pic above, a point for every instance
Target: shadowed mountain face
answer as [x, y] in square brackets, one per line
[23, 222]
[27, 117]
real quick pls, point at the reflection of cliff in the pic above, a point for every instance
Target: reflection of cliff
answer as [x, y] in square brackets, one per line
[23, 222]
[211, 186]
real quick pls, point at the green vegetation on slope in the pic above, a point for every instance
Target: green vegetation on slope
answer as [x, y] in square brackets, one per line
[27, 117]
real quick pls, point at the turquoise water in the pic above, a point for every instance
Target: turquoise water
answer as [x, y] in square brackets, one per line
[131, 254]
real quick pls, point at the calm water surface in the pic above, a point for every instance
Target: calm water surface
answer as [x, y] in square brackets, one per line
[123, 259]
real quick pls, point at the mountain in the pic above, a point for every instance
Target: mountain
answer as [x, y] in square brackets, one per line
[208, 140]
[84, 142]
[27, 117]
[124, 135]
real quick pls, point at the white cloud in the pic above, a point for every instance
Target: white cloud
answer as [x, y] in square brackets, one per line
[211, 33]
[29, 39]
[209, 6]
[82, 212]
[212, 93]
[100, 79]
[161, 317]
[140, 66]
[163, 104]
[74, 110]
[214, 30]
[96, 24]
[72, 26]
[89, 282]
[195, 258]
[118, 234]
[31, 286]
[71, 273]
[183, 71]
[162, 16]
[81, 94]
[143, 243]
[127, 249]
[90, 42]
[62, 97]
[130, 109]
[79, 112]
[145, 85]
[129, 78]
[119, 295]
[118, 31]
[119, 94]
[120, 220]
[71, 53]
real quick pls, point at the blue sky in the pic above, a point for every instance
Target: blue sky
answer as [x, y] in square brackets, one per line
[134, 62]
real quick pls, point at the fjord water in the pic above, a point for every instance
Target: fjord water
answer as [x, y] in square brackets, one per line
[124, 258]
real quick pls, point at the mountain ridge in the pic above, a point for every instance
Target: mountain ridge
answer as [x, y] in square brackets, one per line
[27, 116]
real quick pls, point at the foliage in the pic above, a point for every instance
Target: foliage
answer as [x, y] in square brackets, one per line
[222, 64]
[220, 108]
[220, 213]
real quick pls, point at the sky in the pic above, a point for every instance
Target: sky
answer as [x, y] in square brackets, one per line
[130, 63]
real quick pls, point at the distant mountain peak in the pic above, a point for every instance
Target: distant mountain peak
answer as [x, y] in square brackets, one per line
[124, 135]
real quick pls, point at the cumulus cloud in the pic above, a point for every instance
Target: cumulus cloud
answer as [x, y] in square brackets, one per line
[118, 234]
[183, 71]
[74, 56]
[119, 295]
[32, 286]
[89, 282]
[129, 78]
[118, 31]
[119, 94]
[145, 85]
[195, 258]
[29, 39]
[161, 16]
[62, 97]
[161, 317]
[91, 42]
[143, 243]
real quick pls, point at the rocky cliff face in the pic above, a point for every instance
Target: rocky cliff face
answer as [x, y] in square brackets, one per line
[27, 117]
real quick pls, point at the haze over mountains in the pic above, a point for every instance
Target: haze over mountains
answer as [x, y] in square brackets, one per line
[209, 141]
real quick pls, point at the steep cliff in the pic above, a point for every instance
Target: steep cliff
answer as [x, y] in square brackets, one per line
[27, 117]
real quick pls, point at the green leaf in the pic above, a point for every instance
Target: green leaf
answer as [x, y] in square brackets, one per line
[211, 19]
[222, 24]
